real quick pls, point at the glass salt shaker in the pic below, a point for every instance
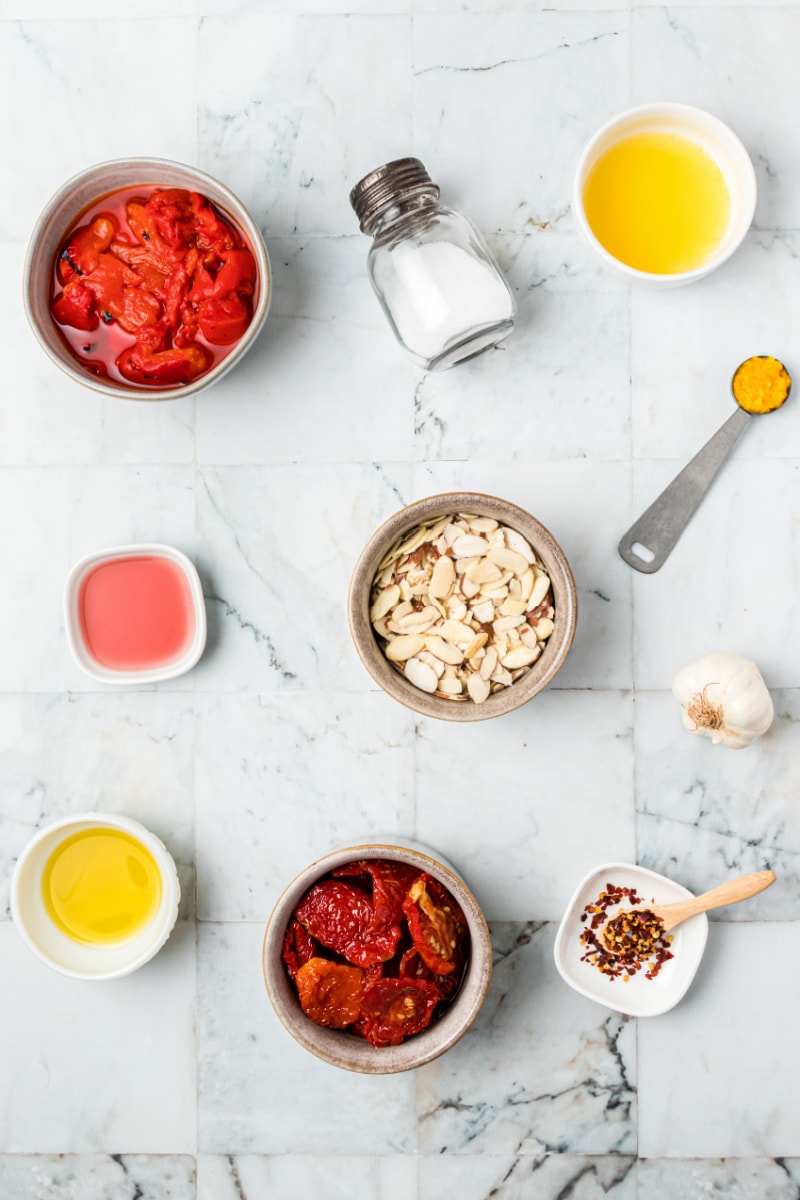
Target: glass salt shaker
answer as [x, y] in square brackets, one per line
[434, 275]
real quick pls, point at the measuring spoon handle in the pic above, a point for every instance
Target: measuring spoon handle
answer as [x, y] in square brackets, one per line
[659, 528]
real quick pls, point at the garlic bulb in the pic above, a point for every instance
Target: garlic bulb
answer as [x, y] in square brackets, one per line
[724, 697]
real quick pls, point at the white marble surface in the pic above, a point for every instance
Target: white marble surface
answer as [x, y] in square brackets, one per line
[178, 1083]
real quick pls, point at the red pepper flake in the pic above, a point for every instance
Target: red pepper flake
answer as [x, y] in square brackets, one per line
[639, 937]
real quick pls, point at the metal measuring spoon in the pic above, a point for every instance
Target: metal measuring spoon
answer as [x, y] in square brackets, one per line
[658, 529]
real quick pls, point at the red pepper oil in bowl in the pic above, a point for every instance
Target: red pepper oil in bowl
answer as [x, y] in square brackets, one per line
[135, 614]
[146, 280]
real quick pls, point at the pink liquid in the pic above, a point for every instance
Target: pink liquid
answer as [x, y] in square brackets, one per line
[136, 613]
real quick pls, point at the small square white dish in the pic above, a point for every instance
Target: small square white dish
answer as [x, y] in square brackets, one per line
[639, 997]
[74, 626]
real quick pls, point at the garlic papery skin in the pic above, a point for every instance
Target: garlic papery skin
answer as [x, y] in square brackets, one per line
[723, 697]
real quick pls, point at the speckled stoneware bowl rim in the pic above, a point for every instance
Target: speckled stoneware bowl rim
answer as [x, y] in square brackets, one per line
[117, 173]
[547, 549]
[339, 1048]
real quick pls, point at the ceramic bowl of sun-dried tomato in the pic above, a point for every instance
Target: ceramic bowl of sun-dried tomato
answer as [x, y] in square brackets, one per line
[377, 957]
[146, 279]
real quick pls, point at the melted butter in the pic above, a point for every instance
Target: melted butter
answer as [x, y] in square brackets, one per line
[658, 202]
[101, 886]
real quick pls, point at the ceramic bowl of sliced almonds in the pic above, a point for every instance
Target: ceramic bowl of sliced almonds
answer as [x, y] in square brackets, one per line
[462, 606]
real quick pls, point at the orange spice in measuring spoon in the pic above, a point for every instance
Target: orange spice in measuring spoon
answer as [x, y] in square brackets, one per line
[760, 384]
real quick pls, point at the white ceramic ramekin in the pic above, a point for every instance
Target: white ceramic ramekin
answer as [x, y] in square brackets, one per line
[77, 643]
[715, 137]
[56, 949]
[639, 997]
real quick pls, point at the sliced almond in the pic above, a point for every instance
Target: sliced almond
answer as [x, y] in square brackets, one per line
[482, 524]
[513, 608]
[457, 631]
[540, 589]
[501, 675]
[502, 624]
[543, 628]
[421, 675]
[436, 530]
[404, 647]
[489, 663]
[484, 571]
[478, 688]
[483, 612]
[456, 609]
[468, 588]
[450, 686]
[528, 638]
[521, 656]
[509, 559]
[430, 660]
[443, 578]
[493, 591]
[415, 540]
[515, 541]
[444, 650]
[526, 585]
[467, 545]
[477, 643]
[385, 601]
[418, 622]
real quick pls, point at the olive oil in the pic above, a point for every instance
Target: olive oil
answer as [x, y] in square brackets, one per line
[658, 202]
[101, 886]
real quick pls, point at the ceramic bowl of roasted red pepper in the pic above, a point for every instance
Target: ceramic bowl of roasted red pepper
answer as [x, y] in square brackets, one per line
[377, 957]
[146, 279]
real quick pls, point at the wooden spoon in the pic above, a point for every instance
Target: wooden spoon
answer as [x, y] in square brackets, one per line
[671, 915]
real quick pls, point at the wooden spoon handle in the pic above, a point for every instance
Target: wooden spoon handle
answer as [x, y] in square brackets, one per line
[731, 892]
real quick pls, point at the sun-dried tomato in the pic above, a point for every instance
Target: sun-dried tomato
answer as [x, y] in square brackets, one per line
[393, 1009]
[341, 917]
[330, 993]
[390, 883]
[372, 974]
[413, 967]
[436, 923]
[298, 947]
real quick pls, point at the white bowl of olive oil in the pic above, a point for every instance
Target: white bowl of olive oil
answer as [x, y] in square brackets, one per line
[664, 194]
[95, 896]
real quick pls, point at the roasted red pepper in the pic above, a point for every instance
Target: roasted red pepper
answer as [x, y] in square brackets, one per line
[170, 272]
[75, 307]
[142, 364]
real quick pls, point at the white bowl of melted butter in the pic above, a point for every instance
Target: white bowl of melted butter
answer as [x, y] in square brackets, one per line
[95, 896]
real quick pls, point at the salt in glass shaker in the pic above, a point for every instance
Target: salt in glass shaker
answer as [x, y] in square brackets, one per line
[433, 273]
